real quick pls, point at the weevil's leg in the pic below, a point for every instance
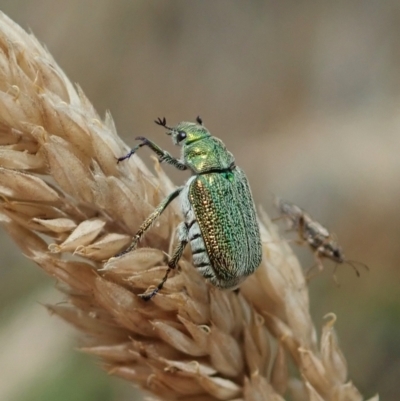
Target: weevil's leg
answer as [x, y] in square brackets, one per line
[183, 236]
[318, 263]
[318, 258]
[290, 226]
[334, 276]
[163, 155]
[150, 220]
[277, 218]
[301, 229]
[297, 241]
[309, 274]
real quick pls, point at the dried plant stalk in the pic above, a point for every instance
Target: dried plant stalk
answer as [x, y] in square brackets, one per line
[70, 207]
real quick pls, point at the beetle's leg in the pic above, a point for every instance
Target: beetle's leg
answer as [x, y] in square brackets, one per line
[309, 274]
[302, 230]
[131, 152]
[334, 276]
[150, 220]
[291, 225]
[277, 218]
[183, 236]
[318, 263]
[297, 241]
[163, 155]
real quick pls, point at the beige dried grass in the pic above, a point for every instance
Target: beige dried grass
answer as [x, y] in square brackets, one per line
[70, 207]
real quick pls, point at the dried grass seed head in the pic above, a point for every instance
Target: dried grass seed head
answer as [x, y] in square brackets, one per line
[64, 191]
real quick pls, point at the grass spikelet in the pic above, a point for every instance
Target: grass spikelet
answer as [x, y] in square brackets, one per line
[70, 207]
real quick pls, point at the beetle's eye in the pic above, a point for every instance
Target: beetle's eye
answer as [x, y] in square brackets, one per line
[181, 136]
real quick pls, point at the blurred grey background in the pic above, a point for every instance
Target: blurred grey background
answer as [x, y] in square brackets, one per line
[305, 94]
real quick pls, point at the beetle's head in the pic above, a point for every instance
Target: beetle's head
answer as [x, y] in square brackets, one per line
[334, 251]
[185, 132]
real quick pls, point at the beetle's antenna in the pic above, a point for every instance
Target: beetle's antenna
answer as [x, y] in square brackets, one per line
[199, 120]
[162, 122]
[354, 263]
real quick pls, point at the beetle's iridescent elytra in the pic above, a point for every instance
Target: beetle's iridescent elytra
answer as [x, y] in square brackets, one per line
[219, 215]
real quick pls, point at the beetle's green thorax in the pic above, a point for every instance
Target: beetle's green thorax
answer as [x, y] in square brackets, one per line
[206, 155]
[201, 152]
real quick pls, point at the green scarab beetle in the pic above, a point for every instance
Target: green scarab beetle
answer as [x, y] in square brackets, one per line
[219, 215]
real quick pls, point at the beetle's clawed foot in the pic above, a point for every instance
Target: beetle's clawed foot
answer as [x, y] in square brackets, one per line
[144, 140]
[118, 255]
[162, 122]
[131, 153]
[120, 159]
[148, 296]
